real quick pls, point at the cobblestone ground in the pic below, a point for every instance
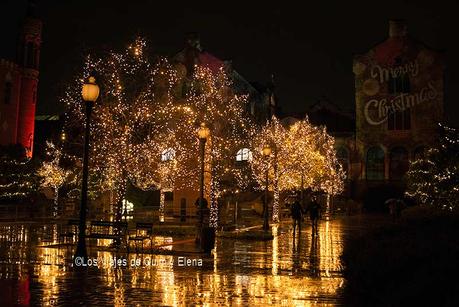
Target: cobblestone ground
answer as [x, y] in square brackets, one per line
[301, 271]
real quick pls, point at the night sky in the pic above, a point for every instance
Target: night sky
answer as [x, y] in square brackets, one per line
[308, 46]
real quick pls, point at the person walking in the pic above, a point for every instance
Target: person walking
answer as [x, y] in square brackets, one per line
[314, 213]
[296, 214]
[205, 237]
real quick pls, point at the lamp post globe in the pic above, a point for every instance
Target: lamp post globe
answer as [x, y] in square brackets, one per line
[89, 93]
[90, 90]
[266, 151]
[203, 132]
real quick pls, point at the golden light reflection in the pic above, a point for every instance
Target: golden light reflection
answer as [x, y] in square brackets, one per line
[311, 275]
[51, 269]
[303, 272]
[275, 249]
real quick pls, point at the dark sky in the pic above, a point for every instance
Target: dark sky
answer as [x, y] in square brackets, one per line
[308, 46]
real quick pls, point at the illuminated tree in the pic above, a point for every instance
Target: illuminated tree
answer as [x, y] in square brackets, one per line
[163, 162]
[331, 179]
[17, 174]
[303, 156]
[135, 110]
[272, 134]
[213, 102]
[305, 162]
[148, 109]
[433, 180]
[52, 174]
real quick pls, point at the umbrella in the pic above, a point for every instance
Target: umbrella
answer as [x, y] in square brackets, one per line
[390, 201]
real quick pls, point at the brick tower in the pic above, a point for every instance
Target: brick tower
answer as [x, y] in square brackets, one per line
[28, 61]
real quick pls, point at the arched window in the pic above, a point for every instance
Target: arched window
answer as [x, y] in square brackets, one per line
[399, 119]
[419, 152]
[375, 163]
[399, 164]
[244, 154]
[168, 155]
[343, 158]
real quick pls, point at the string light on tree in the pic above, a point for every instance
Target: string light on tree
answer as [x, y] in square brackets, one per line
[52, 174]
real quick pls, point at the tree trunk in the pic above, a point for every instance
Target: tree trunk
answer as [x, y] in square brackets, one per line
[213, 219]
[119, 211]
[161, 205]
[56, 201]
[276, 191]
[302, 191]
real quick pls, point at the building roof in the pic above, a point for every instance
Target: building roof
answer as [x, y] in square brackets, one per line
[324, 113]
[194, 54]
[386, 51]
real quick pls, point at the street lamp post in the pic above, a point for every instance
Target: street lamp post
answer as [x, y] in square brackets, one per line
[90, 93]
[203, 134]
[266, 153]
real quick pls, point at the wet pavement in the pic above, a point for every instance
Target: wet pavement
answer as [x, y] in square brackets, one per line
[304, 270]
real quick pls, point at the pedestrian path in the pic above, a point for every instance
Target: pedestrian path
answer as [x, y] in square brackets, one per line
[300, 270]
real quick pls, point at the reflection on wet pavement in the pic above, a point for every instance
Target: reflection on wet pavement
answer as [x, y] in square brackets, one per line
[303, 270]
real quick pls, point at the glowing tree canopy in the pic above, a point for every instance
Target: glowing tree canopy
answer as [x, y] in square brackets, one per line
[133, 120]
[143, 132]
[214, 103]
[434, 179]
[273, 135]
[52, 174]
[303, 157]
[143, 129]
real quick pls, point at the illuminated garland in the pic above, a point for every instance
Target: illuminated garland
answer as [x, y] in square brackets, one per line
[17, 177]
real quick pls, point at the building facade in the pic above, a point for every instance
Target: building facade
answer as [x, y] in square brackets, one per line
[18, 87]
[399, 102]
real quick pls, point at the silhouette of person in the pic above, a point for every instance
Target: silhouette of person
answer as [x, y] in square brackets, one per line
[296, 213]
[314, 213]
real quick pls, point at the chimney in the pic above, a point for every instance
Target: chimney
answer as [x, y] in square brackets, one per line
[397, 28]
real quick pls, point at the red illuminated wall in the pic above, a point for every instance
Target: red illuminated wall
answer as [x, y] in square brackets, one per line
[26, 116]
[10, 75]
[17, 114]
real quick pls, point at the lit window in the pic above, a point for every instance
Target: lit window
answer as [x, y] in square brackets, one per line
[244, 154]
[168, 155]
[400, 119]
[128, 209]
